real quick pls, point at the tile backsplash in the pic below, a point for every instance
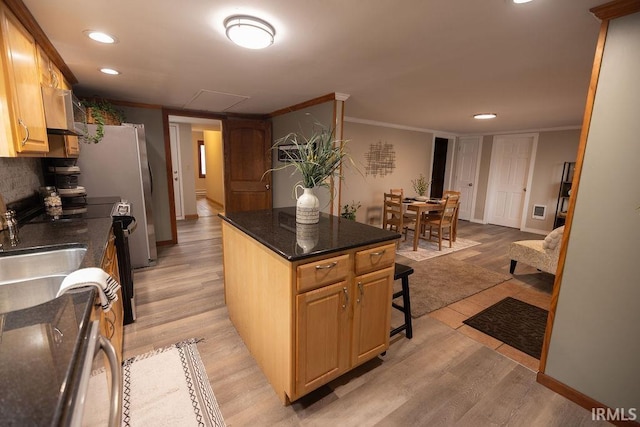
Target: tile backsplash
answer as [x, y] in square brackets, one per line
[19, 177]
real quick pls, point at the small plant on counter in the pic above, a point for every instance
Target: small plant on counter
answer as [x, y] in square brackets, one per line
[349, 211]
[100, 112]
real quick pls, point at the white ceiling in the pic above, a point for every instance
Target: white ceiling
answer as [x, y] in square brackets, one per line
[426, 64]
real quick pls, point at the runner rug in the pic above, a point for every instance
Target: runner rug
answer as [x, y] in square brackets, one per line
[514, 322]
[166, 387]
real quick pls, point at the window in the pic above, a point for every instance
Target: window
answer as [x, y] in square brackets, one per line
[202, 162]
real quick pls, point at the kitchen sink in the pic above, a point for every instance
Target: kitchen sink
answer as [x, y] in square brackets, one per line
[28, 293]
[33, 276]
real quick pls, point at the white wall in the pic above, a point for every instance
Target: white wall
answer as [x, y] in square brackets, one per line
[413, 151]
[595, 340]
[554, 148]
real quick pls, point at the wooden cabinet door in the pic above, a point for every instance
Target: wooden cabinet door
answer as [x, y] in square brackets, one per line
[23, 81]
[371, 315]
[112, 322]
[322, 336]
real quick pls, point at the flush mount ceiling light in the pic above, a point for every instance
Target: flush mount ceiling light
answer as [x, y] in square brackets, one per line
[521, 1]
[100, 36]
[249, 32]
[110, 71]
[485, 116]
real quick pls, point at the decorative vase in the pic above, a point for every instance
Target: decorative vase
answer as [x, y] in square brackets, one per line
[307, 206]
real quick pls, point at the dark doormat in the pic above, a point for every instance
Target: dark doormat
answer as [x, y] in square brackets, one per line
[515, 323]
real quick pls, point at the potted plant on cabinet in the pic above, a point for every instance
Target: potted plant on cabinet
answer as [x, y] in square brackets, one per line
[100, 112]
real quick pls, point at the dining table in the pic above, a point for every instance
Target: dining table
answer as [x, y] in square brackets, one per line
[419, 208]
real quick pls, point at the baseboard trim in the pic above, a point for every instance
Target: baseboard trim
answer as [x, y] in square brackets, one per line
[579, 398]
[164, 243]
[536, 231]
[192, 216]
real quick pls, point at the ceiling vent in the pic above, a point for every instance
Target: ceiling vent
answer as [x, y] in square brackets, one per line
[211, 100]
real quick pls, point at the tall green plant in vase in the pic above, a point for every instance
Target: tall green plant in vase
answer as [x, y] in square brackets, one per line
[317, 157]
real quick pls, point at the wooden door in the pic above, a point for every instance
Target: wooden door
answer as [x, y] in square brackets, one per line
[510, 170]
[467, 155]
[30, 132]
[322, 336]
[247, 155]
[371, 315]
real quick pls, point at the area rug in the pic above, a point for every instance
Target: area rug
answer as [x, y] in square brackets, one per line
[438, 282]
[429, 249]
[514, 322]
[166, 387]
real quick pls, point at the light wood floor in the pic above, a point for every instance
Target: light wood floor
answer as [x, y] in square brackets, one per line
[440, 377]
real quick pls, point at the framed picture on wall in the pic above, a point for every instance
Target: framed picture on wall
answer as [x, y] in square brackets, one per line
[288, 153]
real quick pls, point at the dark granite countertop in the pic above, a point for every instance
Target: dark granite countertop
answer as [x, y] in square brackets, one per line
[39, 355]
[277, 230]
[41, 346]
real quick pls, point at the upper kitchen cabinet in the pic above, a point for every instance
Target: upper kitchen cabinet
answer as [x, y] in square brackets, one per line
[24, 129]
[50, 75]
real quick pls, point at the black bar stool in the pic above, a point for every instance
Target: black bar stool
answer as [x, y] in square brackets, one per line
[402, 272]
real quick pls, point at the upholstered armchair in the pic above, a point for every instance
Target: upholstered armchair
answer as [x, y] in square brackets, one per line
[541, 254]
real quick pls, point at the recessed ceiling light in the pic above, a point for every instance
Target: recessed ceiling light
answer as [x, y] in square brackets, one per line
[110, 71]
[485, 116]
[249, 32]
[100, 36]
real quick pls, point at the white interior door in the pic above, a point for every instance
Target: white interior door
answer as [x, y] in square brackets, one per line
[176, 172]
[467, 156]
[510, 162]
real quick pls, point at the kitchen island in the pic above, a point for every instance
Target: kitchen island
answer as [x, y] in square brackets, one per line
[311, 302]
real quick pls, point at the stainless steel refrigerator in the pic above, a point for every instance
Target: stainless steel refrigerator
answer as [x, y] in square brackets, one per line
[118, 166]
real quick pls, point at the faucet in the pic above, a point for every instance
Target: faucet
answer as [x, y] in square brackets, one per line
[12, 225]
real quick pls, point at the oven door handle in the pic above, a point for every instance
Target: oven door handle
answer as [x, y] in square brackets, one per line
[96, 342]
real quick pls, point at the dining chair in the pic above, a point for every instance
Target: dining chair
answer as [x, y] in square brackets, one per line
[446, 220]
[427, 216]
[410, 216]
[393, 217]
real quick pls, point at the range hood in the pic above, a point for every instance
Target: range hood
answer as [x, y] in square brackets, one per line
[63, 112]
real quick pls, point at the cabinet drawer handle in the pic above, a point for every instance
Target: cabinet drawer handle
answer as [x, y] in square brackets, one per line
[326, 266]
[361, 289]
[346, 297]
[26, 129]
[378, 253]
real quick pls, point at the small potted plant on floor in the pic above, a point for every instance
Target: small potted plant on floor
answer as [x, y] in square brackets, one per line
[349, 210]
